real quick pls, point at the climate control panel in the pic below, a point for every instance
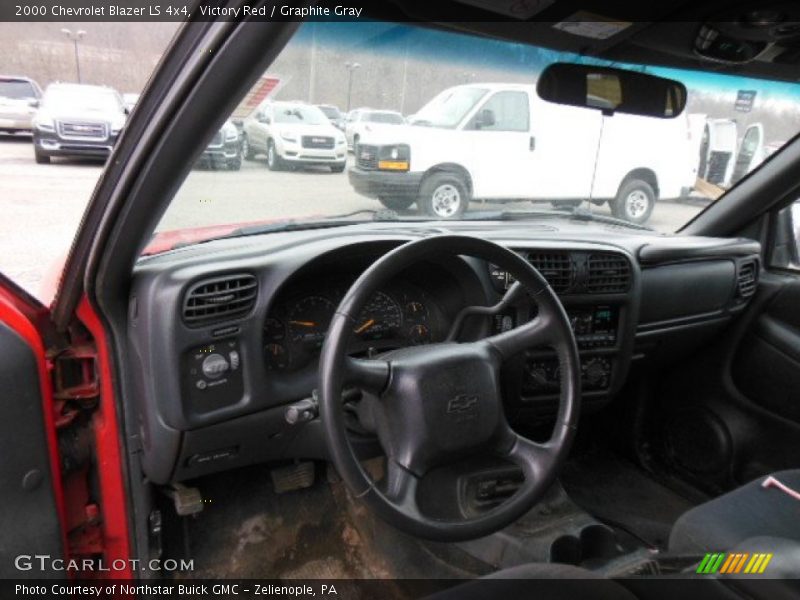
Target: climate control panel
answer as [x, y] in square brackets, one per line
[543, 376]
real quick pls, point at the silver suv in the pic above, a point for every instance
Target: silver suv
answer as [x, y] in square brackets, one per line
[293, 134]
[19, 99]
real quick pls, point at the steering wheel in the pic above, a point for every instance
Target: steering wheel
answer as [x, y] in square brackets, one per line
[441, 403]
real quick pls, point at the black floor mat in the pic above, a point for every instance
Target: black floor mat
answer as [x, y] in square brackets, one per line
[622, 495]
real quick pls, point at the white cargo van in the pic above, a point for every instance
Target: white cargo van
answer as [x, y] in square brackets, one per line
[501, 142]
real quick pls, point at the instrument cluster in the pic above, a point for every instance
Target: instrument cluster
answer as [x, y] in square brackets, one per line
[398, 316]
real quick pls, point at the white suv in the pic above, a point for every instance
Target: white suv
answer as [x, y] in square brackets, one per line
[293, 134]
[363, 121]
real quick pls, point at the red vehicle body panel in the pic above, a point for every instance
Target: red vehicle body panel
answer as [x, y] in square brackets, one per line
[21, 317]
[116, 538]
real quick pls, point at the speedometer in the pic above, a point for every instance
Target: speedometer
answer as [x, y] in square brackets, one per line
[380, 319]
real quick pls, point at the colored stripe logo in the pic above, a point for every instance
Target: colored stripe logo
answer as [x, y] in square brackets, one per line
[734, 562]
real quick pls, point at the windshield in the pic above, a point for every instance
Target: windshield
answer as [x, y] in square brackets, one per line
[297, 113]
[82, 99]
[449, 108]
[383, 117]
[330, 111]
[16, 90]
[471, 104]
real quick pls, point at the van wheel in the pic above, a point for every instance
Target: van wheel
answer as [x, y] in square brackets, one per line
[634, 202]
[247, 149]
[443, 196]
[274, 162]
[396, 203]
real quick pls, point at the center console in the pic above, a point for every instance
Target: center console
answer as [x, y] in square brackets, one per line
[599, 291]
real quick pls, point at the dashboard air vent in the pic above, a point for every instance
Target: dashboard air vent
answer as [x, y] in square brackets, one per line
[608, 274]
[556, 267]
[219, 299]
[747, 279]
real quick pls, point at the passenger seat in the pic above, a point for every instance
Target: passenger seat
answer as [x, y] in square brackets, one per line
[747, 512]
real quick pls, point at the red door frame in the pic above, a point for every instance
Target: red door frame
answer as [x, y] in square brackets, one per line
[82, 533]
[20, 316]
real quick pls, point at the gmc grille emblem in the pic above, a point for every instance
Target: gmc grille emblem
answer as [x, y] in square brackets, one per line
[318, 140]
[462, 404]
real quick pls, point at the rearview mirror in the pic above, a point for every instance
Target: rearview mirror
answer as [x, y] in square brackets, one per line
[612, 90]
[264, 119]
[33, 103]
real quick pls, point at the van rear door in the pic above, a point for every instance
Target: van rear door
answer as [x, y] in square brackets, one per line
[751, 152]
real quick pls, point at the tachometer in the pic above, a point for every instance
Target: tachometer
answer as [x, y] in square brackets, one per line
[309, 319]
[380, 318]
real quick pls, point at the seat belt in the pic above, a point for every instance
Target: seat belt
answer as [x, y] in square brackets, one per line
[771, 482]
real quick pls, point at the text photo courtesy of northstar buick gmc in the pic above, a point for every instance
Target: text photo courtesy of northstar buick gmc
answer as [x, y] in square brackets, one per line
[518, 389]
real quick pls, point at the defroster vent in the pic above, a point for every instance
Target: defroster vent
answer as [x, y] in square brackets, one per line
[219, 299]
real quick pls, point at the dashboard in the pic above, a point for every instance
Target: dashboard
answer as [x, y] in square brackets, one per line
[225, 336]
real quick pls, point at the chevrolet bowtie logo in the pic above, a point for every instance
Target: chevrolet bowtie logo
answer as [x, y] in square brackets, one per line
[462, 403]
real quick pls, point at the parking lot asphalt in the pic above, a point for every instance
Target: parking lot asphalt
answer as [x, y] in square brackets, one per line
[42, 205]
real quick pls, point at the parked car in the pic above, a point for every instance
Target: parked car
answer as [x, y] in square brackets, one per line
[225, 149]
[19, 99]
[78, 121]
[129, 101]
[366, 120]
[499, 141]
[334, 115]
[293, 134]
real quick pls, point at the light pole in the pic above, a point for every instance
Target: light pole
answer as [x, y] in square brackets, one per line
[350, 66]
[75, 36]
